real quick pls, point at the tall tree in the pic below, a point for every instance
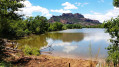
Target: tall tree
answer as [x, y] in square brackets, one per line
[116, 3]
[7, 16]
[113, 29]
[7, 13]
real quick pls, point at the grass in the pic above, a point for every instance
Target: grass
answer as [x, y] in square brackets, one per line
[90, 53]
[100, 64]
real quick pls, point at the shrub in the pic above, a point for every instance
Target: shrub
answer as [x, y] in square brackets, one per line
[5, 64]
[31, 51]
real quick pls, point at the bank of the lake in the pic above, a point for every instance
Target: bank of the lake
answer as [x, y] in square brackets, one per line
[47, 61]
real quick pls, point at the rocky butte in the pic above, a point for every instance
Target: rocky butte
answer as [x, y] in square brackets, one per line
[69, 18]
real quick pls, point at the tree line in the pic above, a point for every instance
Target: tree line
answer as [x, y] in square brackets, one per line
[33, 25]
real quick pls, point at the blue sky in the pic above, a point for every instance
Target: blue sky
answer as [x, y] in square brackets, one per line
[94, 9]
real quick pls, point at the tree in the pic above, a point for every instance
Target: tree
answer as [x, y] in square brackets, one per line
[37, 25]
[116, 3]
[7, 17]
[7, 13]
[113, 49]
[112, 27]
[56, 26]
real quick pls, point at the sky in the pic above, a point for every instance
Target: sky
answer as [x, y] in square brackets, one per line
[101, 10]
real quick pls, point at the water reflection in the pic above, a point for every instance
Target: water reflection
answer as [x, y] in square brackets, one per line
[66, 37]
[34, 41]
[72, 42]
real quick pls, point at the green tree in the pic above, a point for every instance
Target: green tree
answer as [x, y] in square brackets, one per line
[7, 17]
[112, 27]
[116, 3]
[37, 25]
[7, 13]
[113, 49]
[56, 26]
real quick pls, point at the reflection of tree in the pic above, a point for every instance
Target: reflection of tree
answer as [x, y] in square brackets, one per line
[113, 49]
[34, 41]
[66, 37]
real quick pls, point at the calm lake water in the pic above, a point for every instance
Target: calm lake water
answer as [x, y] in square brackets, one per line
[83, 43]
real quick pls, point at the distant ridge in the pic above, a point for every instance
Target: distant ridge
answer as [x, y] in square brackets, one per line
[69, 18]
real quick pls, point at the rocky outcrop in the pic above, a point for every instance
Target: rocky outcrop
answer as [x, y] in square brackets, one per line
[69, 18]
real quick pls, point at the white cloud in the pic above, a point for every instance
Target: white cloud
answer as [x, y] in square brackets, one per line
[78, 4]
[103, 17]
[68, 5]
[99, 1]
[81, 4]
[61, 11]
[95, 12]
[26, 3]
[29, 9]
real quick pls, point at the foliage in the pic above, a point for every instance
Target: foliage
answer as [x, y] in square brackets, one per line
[32, 25]
[72, 26]
[7, 13]
[31, 51]
[113, 50]
[59, 26]
[94, 26]
[55, 26]
[37, 24]
[5, 64]
[116, 3]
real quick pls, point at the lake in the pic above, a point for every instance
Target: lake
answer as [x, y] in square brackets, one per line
[86, 43]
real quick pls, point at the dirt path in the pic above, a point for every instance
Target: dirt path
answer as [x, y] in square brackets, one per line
[50, 61]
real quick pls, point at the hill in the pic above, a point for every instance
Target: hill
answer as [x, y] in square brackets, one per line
[69, 18]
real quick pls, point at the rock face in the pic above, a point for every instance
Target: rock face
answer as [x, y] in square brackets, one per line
[69, 18]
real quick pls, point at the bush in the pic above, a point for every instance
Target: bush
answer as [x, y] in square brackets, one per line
[5, 64]
[31, 51]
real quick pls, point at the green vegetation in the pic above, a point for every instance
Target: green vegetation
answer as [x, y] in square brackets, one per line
[94, 26]
[116, 3]
[72, 26]
[55, 26]
[31, 51]
[8, 15]
[112, 27]
[113, 49]
[5, 64]
[35, 25]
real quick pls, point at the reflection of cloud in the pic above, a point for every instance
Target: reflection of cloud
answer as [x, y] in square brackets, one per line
[49, 41]
[66, 46]
[67, 49]
[96, 37]
[62, 44]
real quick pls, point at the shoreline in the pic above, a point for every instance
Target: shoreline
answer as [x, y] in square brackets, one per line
[54, 61]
